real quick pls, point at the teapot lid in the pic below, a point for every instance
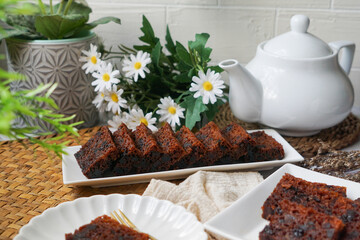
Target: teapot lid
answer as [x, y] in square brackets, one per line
[298, 43]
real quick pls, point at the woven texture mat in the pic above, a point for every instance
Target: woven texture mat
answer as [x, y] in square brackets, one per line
[340, 136]
[31, 182]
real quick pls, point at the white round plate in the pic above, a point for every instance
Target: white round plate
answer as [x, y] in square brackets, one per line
[162, 219]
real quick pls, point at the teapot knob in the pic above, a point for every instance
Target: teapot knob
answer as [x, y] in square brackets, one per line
[299, 23]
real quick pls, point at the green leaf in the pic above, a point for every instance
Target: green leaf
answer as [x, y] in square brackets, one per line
[103, 20]
[199, 46]
[213, 109]
[170, 46]
[149, 35]
[194, 107]
[217, 69]
[75, 9]
[58, 27]
[182, 78]
[183, 54]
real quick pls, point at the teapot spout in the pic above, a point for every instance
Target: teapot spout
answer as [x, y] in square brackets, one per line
[245, 93]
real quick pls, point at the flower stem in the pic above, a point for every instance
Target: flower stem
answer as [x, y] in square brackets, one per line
[67, 7]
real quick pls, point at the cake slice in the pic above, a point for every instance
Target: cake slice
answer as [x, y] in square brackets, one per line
[105, 228]
[294, 221]
[217, 147]
[265, 148]
[97, 156]
[172, 151]
[129, 157]
[302, 192]
[194, 149]
[239, 140]
[146, 142]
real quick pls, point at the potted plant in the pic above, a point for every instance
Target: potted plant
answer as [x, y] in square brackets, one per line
[46, 46]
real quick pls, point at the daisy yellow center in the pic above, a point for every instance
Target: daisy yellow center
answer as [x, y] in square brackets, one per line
[102, 95]
[106, 77]
[137, 65]
[114, 97]
[172, 110]
[144, 121]
[93, 60]
[207, 86]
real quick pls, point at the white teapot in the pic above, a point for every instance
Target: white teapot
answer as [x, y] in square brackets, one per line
[295, 83]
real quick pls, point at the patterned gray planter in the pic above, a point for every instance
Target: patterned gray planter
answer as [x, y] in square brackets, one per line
[50, 61]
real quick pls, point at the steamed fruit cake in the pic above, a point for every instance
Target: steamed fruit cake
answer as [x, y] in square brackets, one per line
[239, 141]
[96, 158]
[217, 147]
[295, 221]
[265, 148]
[129, 158]
[171, 149]
[300, 191]
[146, 142]
[105, 228]
[325, 199]
[194, 149]
[140, 151]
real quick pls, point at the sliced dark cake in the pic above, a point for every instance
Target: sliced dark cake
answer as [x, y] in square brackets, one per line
[265, 148]
[194, 149]
[348, 211]
[129, 157]
[97, 157]
[151, 152]
[302, 192]
[217, 147]
[294, 221]
[171, 148]
[105, 228]
[239, 140]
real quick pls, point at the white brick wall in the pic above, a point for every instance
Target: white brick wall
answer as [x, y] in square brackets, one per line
[236, 27]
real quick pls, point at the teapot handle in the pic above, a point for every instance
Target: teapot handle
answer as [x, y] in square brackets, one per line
[347, 55]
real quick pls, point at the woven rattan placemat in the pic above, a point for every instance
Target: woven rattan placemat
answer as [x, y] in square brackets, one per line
[340, 136]
[31, 182]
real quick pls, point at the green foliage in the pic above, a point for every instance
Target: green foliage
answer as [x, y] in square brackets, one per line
[30, 104]
[66, 19]
[171, 73]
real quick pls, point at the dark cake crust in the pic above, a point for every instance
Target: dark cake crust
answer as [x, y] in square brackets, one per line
[170, 147]
[265, 148]
[217, 147]
[105, 228]
[129, 157]
[194, 149]
[151, 152]
[239, 140]
[97, 157]
[294, 221]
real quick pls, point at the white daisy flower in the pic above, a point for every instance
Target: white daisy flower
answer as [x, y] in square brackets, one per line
[99, 101]
[170, 111]
[136, 116]
[208, 86]
[136, 66]
[105, 77]
[117, 120]
[115, 101]
[92, 59]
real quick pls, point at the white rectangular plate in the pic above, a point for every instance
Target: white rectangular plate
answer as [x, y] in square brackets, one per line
[242, 220]
[72, 173]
